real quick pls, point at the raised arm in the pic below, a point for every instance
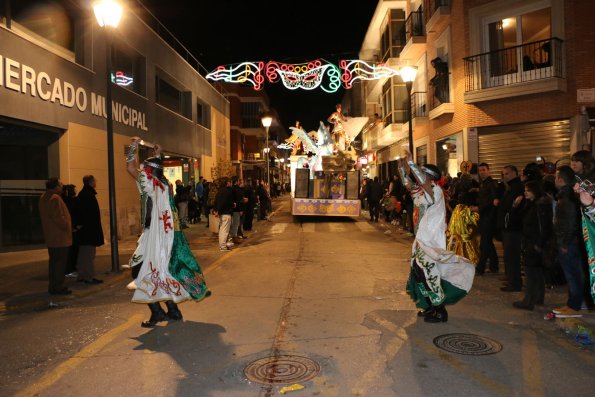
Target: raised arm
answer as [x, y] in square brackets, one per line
[131, 161]
[420, 176]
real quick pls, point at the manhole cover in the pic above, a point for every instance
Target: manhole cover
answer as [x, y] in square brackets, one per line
[469, 344]
[281, 370]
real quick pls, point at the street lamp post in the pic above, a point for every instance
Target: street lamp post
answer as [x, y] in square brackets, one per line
[108, 14]
[282, 168]
[266, 123]
[408, 75]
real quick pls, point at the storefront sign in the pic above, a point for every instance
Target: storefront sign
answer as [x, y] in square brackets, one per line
[26, 80]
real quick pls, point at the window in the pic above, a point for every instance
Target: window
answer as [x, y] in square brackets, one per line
[251, 112]
[520, 30]
[203, 114]
[393, 37]
[128, 69]
[394, 101]
[174, 99]
[56, 25]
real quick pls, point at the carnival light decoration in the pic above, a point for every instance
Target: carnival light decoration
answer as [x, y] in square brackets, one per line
[121, 79]
[245, 72]
[357, 69]
[307, 76]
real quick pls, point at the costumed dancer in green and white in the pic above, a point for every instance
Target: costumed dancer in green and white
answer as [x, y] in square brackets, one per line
[163, 267]
[586, 191]
[438, 277]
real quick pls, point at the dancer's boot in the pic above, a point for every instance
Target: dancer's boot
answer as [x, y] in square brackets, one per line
[157, 315]
[438, 315]
[173, 313]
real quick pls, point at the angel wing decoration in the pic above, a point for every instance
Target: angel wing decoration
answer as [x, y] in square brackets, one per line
[309, 144]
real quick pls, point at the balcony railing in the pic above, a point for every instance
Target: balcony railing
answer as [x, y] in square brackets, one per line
[443, 91]
[419, 105]
[535, 61]
[431, 6]
[414, 25]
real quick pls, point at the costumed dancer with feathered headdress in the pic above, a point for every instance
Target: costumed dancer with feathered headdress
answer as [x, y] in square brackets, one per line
[438, 277]
[163, 267]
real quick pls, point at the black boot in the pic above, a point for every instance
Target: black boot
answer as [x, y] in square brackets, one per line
[425, 312]
[157, 315]
[438, 315]
[173, 313]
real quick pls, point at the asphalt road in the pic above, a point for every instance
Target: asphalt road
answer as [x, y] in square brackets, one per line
[323, 300]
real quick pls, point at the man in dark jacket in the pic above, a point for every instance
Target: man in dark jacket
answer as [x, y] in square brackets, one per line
[90, 232]
[510, 223]
[487, 196]
[567, 230]
[224, 205]
[238, 209]
[375, 194]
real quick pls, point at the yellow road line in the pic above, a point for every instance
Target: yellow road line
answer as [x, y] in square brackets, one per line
[496, 387]
[532, 380]
[78, 359]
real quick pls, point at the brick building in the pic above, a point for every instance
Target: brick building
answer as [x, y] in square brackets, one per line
[498, 81]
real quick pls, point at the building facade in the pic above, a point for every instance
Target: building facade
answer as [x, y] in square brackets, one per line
[53, 79]
[502, 82]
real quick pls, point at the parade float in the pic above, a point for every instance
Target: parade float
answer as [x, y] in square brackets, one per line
[324, 181]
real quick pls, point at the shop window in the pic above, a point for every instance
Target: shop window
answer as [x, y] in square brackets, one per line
[172, 98]
[128, 69]
[203, 114]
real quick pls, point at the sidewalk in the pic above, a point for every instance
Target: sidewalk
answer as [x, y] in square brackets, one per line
[491, 283]
[24, 274]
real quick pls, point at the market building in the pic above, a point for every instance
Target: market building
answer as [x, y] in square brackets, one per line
[53, 81]
[502, 82]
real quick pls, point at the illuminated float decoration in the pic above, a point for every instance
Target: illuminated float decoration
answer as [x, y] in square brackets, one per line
[307, 76]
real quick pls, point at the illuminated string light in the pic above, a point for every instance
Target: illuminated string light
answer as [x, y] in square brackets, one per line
[245, 72]
[361, 70]
[307, 76]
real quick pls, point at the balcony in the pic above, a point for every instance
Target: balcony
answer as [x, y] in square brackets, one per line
[520, 70]
[415, 36]
[439, 100]
[419, 107]
[436, 13]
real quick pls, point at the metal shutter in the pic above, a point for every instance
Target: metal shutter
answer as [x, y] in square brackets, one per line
[520, 144]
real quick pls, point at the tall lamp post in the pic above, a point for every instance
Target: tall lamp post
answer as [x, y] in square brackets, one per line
[266, 123]
[108, 14]
[408, 75]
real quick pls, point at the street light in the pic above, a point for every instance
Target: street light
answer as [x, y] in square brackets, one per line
[408, 75]
[108, 14]
[282, 171]
[266, 123]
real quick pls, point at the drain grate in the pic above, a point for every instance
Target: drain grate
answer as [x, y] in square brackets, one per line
[281, 370]
[468, 344]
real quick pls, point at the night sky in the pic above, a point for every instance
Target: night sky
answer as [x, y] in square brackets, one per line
[233, 31]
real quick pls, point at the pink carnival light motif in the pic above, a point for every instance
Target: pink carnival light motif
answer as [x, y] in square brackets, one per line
[356, 69]
[273, 67]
